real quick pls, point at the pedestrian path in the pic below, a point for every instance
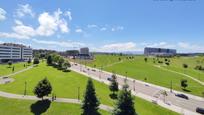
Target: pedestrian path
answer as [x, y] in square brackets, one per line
[183, 74]
[12, 74]
[63, 100]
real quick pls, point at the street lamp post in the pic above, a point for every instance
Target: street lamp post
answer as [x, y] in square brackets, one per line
[78, 93]
[133, 85]
[171, 87]
[125, 76]
[25, 88]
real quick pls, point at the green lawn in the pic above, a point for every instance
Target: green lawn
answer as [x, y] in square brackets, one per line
[5, 70]
[139, 69]
[27, 107]
[66, 85]
[101, 60]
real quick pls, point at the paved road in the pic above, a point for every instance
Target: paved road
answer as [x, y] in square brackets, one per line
[147, 91]
[64, 100]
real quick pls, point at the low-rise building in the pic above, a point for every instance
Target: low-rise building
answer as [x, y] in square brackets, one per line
[148, 51]
[15, 52]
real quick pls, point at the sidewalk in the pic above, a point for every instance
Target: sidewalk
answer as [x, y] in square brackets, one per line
[62, 100]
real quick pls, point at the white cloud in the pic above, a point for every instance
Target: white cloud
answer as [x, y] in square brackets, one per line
[159, 45]
[23, 30]
[119, 47]
[78, 30]
[190, 47]
[2, 14]
[103, 29]
[12, 35]
[69, 14]
[117, 28]
[69, 44]
[92, 26]
[48, 25]
[113, 29]
[24, 10]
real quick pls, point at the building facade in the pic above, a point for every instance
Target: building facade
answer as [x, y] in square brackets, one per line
[15, 52]
[84, 53]
[84, 50]
[159, 52]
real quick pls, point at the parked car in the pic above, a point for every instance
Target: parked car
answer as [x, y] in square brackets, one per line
[182, 96]
[200, 110]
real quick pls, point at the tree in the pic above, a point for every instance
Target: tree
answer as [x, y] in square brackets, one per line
[125, 103]
[145, 59]
[66, 65]
[90, 103]
[29, 61]
[185, 65]
[9, 63]
[36, 61]
[113, 86]
[60, 61]
[119, 59]
[184, 83]
[43, 88]
[49, 60]
[13, 69]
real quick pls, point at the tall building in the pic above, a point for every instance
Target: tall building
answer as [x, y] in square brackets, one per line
[15, 52]
[84, 50]
[159, 52]
[84, 53]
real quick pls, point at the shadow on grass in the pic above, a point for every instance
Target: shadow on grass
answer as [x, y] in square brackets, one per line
[67, 70]
[40, 107]
[186, 90]
[113, 96]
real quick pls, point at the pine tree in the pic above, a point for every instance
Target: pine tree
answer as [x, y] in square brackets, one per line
[113, 86]
[90, 102]
[43, 88]
[49, 60]
[125, 103]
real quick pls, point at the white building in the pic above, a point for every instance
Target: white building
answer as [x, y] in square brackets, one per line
[15, 52]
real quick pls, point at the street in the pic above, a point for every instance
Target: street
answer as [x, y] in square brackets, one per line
[147, 91]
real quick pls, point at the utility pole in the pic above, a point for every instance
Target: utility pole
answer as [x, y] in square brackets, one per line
[171, 86]
[25, 88]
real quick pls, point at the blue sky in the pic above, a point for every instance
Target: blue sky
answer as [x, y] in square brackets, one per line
[104, 25]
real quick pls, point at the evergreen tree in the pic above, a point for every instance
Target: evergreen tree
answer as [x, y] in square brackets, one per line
[90, 102]
[43, 88]
[125, 103]
[49, 60]
[113, 86]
